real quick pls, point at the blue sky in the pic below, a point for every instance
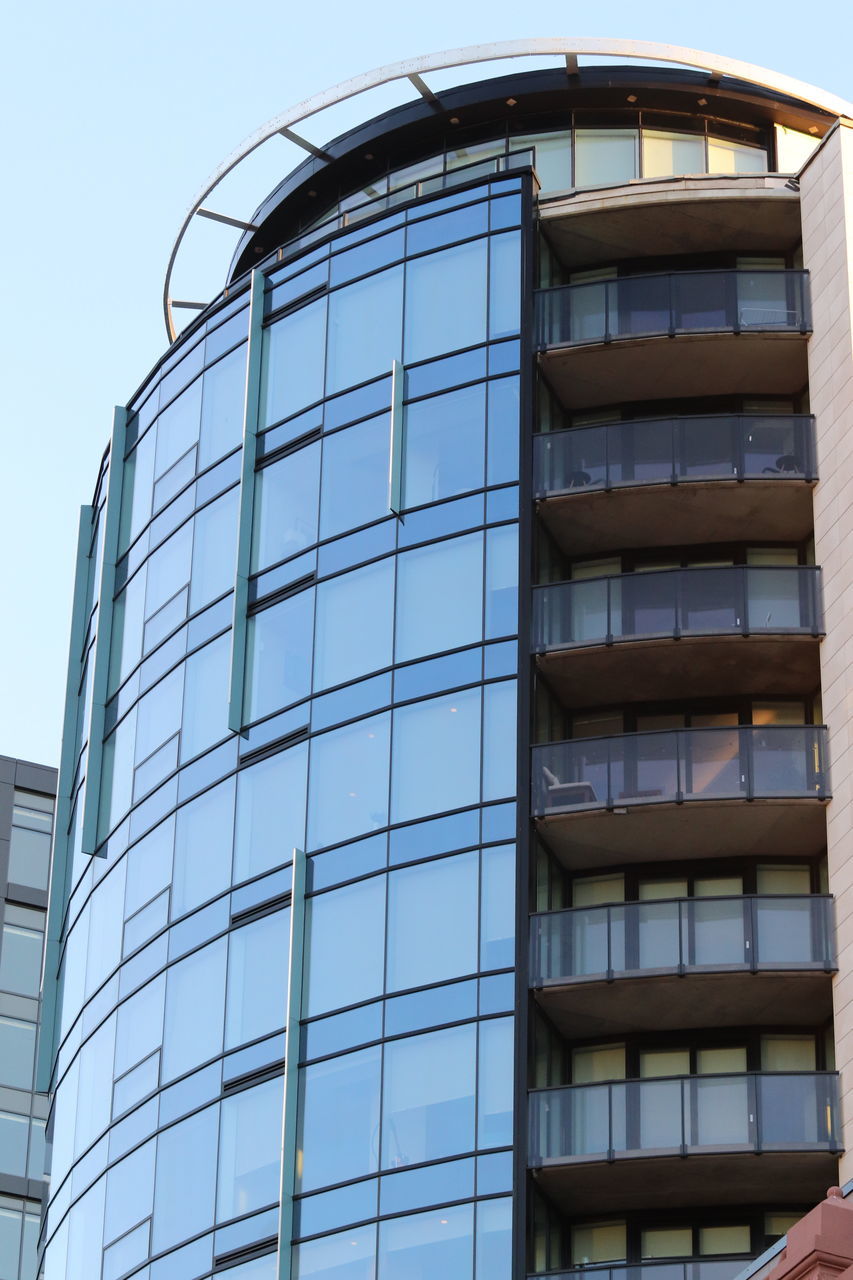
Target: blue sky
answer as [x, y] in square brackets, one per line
[114, 114]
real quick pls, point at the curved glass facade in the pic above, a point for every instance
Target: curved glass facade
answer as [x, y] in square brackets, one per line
[382, 641]
[378, 735]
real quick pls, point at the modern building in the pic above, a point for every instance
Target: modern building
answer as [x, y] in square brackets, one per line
[448, 879]
[27, 795]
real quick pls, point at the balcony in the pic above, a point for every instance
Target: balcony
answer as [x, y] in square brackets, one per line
[697, 213]
[742, 629]
[637, 1143]
[666, 1269]
[744, 956]
[605, 334]
[669, 481]
[632, 798]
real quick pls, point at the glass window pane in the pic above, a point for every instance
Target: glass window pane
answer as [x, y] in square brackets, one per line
[349, 1255]
[294, 362]
[502, 581]
[270, 812]
[355, 476]
[193, 1028]
[436, 900]
[10, 1242]
[672, 153]
[130, 1191]
[214, 547]
[177, 427]
[436, 763]
[139, 1025]
[256, 1003]
[494, 1086]
[725, 156]
[20, 960]
[445, 446]
[500, 734]
[186, 1179]
[598, 1242]
[169, 569]
[29, 857]
[497, 918]
[494, 1239]
[355, 617]
[345, 933]
[338, 1119]
[14, 1132]
[436, 1243]
[249, 1175]
[359, 351]
[504, 284]
[17, 1050]
[604, 156]
[503, 430]
[428, 1096]
[439, 597]
[552, 160]
[206, 687]
[222, 403]
[349, 781]
[279, 650]
[203, 833]
[285, 514]
[446, 301]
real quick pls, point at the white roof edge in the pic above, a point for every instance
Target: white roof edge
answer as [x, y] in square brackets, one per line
[558, 46]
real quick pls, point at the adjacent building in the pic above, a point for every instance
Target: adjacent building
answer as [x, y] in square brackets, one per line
[27, 794]
[449, 878]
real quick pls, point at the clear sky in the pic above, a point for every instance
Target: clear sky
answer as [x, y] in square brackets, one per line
[114, 113]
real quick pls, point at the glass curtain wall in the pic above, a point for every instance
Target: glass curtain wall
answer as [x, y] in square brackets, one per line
[380, 737]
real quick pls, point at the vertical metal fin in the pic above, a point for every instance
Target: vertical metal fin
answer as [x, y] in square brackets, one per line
[251, 418]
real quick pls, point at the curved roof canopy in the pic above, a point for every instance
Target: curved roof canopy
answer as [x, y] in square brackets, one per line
[413, 68]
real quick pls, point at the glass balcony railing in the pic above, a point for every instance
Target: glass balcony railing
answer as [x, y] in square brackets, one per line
[684, 1115]
[673, 303]
[737, 600]
[667, 1269]
[675, 451]
[742, 933]
[745, 762]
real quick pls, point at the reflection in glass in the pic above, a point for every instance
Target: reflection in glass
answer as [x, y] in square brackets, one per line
[222, 402]
[358, 351]
[256, 1000]
[249, 1175]
[439, 597]
[354, 628]
[270, 812]
[193, 1027]
[445, 446]
[203, 835]
[349, 781]
[432, 326]
[424, 1245]
[428, 1096]
[214, 550]
[345, 923]
[186, 1179]
[278, 671]
[436, 760]
[427, 902]
[355, 476]
[339, 1119]
[285, 511]
[294, 362]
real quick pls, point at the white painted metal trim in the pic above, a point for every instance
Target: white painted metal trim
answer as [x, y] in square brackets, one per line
[561, 47]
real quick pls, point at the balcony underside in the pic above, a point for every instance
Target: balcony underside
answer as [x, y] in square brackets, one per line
[694, 829]
[588, 521]
[686, 365]
[694, 666]
[707, 1179]
[665, 217]
[666, 1002]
